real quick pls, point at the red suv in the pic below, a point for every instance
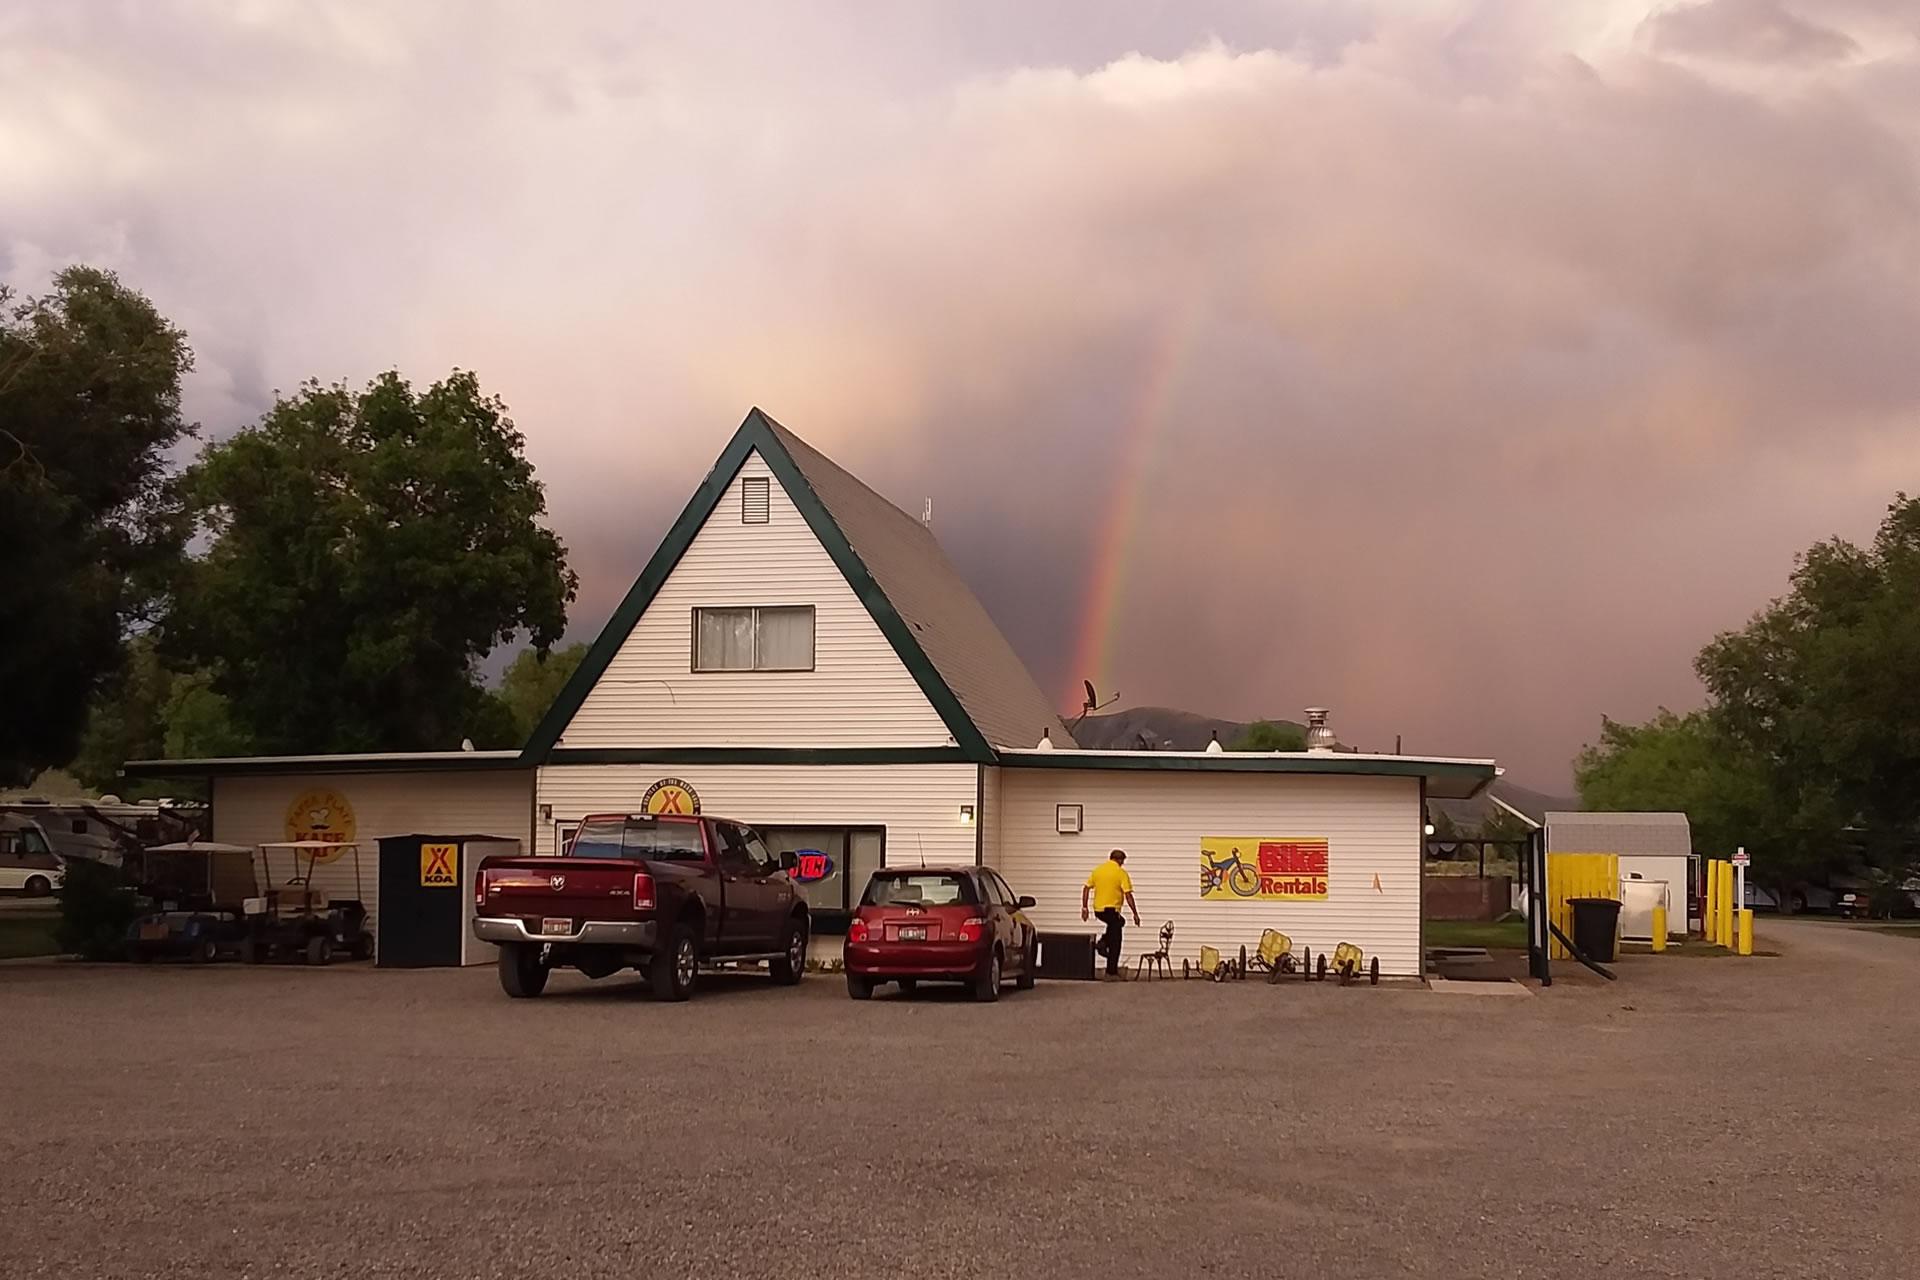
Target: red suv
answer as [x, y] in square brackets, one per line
[940, 924]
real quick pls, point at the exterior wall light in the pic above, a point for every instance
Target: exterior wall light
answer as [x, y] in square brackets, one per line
[1429, 828]
[966, 815]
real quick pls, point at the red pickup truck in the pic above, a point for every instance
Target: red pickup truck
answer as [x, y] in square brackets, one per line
[660, 894]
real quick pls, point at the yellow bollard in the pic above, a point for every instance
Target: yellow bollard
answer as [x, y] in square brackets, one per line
[1727, 904]
[1746, 931]
[1713, 934]
[1659, 928]
[1733, 908]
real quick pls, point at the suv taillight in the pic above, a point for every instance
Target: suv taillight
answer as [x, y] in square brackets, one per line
[479, 891]
[642, 891]
[972, 929]
[857, 931]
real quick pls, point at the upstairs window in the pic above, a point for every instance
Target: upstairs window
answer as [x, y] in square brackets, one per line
[767, 638]
[755, 502]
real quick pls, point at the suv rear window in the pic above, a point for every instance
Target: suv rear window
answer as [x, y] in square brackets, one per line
[639, 837]
[895, 889]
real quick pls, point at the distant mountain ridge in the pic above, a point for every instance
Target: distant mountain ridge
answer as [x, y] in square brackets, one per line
[1162, 728]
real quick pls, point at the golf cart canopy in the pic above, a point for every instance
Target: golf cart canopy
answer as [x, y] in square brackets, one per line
[200, 846]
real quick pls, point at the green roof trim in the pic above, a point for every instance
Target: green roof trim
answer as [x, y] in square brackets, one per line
[273, 766]
[757, 755]
[755, 433]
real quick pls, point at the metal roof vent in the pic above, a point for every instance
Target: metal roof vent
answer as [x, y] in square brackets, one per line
[1319, 736]
[1046, 741]
[1213, 744]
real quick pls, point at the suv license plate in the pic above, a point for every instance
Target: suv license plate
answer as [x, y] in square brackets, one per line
[552, 926]
[913, 933]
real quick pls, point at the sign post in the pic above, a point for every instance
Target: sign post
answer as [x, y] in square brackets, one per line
[1740, 879]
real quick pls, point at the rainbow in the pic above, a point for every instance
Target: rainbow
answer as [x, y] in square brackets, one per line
[1137, 448]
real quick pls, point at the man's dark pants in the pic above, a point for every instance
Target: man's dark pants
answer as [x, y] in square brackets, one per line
[1109, 946]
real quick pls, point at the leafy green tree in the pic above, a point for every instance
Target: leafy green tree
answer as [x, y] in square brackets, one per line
[1823, 688]
[533, 680]
[1808, 751]
[89, 407]
[1265, 735]
[1685, 764]
[367, 550]
[147, 710]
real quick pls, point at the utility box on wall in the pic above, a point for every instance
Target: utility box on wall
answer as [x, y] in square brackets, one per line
[426, 900]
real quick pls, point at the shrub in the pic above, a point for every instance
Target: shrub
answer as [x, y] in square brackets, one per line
[96, 908]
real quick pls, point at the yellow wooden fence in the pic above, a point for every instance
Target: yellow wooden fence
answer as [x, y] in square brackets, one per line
[1577, 875]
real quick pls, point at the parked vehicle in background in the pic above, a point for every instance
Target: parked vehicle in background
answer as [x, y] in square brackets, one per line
[662, 894]
[294, 920]
[940, 924]
[198, 891]
[34, 874]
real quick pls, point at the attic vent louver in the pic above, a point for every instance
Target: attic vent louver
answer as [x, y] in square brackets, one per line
[755, 503]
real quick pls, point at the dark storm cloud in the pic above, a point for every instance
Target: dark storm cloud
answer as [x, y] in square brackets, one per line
[1509, 350]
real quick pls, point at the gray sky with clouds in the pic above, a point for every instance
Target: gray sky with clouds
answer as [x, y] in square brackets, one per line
[1478, 361]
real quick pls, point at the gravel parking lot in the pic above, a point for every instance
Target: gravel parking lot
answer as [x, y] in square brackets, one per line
[1699, 1118]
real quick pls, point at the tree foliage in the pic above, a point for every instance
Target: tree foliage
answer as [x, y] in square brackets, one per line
[1808, 751]
[367, 549]
[145, 711]
[89, 407]
[533, 680]
[1265, 735]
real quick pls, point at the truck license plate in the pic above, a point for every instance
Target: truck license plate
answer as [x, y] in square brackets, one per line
[913, 933]
[552, 925]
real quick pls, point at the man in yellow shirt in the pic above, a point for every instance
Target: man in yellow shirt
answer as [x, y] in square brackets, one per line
[1108, 887]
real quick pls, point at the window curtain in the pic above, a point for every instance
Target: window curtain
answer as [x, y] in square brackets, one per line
[786, 639]
[725, 640]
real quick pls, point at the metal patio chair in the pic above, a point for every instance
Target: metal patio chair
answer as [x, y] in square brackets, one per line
[1156, 964]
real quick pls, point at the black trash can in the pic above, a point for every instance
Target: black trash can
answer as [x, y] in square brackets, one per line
[1596, 926]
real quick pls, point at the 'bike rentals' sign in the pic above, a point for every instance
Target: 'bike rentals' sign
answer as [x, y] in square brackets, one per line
[1263, 867]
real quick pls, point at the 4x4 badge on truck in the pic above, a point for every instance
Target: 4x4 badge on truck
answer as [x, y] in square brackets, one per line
[558, 882]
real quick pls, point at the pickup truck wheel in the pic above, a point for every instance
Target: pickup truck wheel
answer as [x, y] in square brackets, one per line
[673, 969]
[986, 988]
[522, 976]
[859, 988]
[790, 965]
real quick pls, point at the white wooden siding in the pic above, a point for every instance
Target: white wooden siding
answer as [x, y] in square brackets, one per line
[483, 802]
[918, 804]
[991, 805]
[1372, 827]
[858, 694]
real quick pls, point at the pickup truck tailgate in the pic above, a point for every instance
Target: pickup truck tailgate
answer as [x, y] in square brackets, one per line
[557, 888]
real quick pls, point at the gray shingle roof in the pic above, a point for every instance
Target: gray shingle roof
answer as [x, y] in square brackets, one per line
[1618, 833]
[951, 625]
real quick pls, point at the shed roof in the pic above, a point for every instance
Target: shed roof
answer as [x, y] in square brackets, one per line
[1616, 832]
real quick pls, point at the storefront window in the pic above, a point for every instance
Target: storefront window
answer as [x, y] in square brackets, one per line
[834, 864]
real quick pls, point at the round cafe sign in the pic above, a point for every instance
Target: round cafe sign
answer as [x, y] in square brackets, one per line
[321, 814]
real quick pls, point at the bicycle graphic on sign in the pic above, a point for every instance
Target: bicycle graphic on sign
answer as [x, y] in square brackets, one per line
[1230, 871]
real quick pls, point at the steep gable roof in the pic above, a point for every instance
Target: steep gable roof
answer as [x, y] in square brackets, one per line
[966, 668]
[951, 625]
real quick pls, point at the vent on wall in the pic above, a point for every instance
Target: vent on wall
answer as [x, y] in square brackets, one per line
[754, 501]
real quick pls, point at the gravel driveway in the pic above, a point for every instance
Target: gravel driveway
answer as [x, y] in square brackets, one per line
[1699, 1118]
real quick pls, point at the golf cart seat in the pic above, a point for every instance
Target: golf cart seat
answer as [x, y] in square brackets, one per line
[299, 901]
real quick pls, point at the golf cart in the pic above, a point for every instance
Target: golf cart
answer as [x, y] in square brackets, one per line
[197, 891]
[296, 920]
